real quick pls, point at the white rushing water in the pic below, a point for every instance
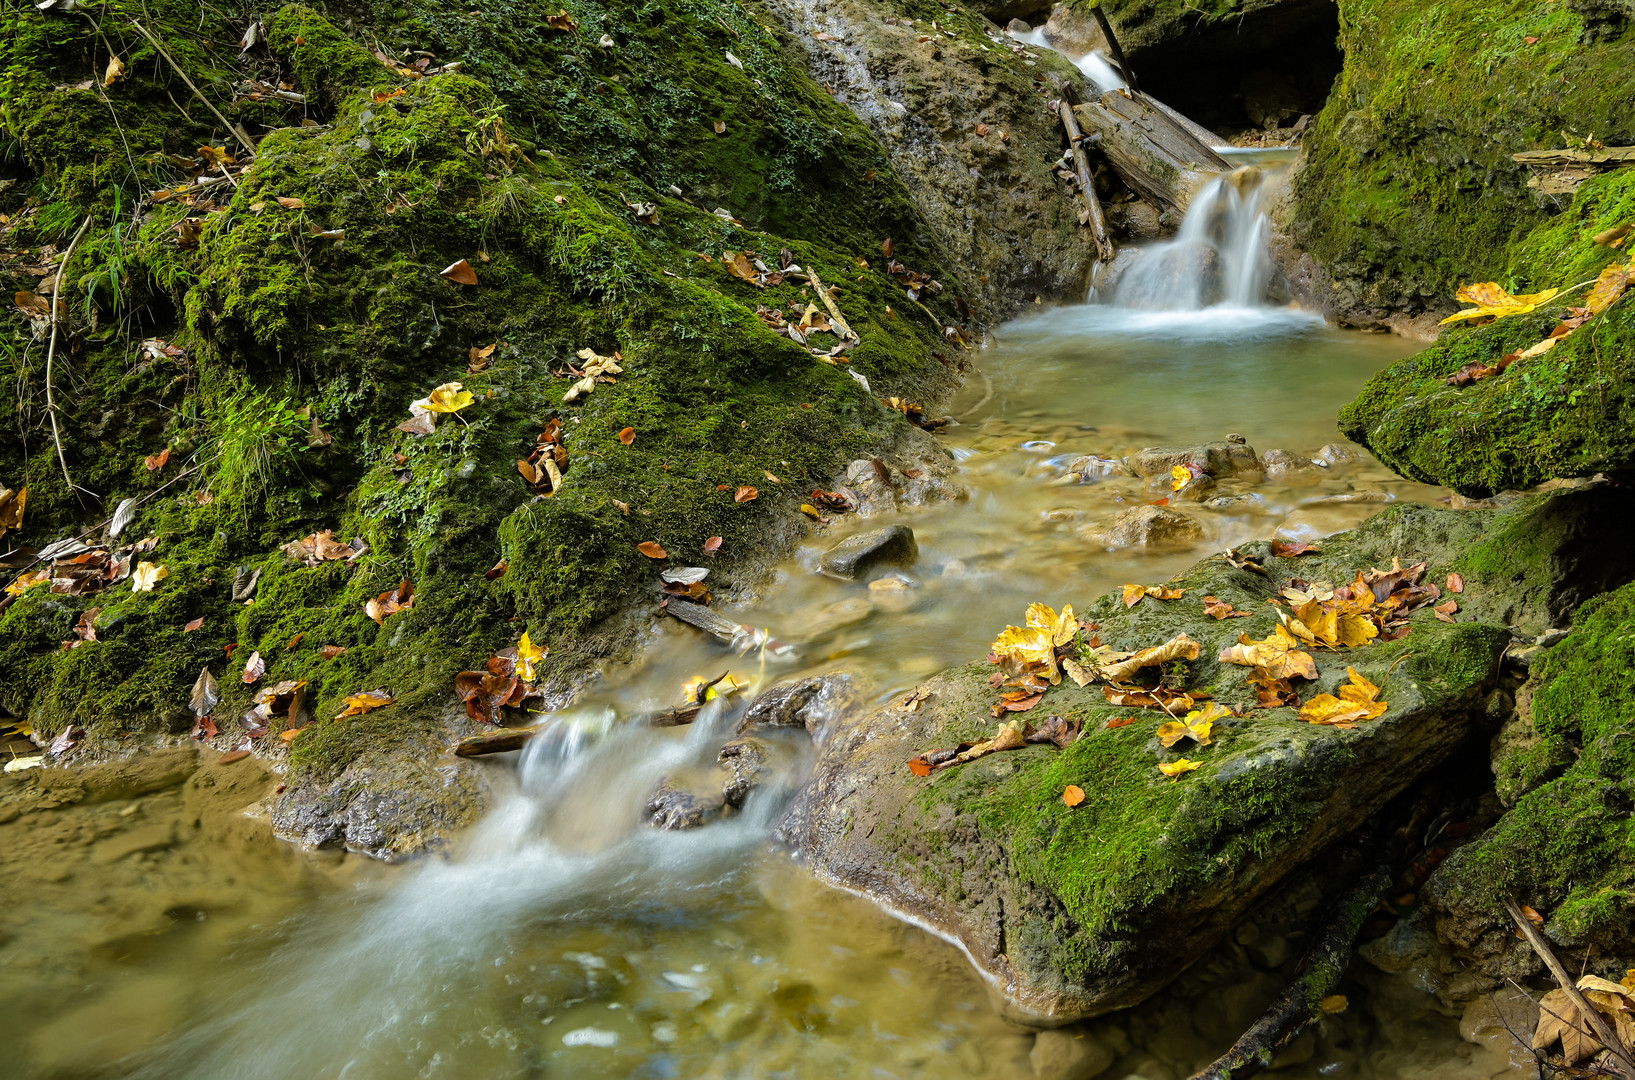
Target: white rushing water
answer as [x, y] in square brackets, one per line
[1219, 257]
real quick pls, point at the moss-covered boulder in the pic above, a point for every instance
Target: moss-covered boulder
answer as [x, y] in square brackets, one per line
[1082, 910]
[1569, 412]
[1408, 187]
[610, 174]
[1566, 847]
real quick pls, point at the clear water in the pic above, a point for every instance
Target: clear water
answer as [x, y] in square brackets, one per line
[564, 939]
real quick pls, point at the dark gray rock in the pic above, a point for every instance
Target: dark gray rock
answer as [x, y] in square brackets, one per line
[784, 705]
[746, 763]
[893, 544]
[672, 806]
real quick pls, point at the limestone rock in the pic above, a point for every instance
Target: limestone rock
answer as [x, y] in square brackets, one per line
[1280, 462]
[1218, 459]
[1068, 1054]
[672, 806]
[1150, 527]
[893, 544]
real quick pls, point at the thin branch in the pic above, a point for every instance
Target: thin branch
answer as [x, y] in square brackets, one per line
[249, 147]
[1603, 1030]
[51, 352]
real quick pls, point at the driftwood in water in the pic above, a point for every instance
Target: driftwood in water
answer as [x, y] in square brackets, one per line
[1300, 1004]
[494, 742]
[1087, 187]
[702, 617]
[1161, 160]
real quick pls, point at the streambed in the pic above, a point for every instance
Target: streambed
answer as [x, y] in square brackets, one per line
[563, 938]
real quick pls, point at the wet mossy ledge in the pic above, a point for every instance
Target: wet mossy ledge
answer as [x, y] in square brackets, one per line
[1407, 187]
[1569, 412]
[313, 295]
[1566, 846]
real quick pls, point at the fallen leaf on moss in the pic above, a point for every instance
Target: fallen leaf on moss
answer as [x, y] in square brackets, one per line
[205, 693]
[745, 494]
[480, 358]
[712, 545]
[330, 652]
[146, 576]
[289, 734]
[460, 273]
[627, 436]
[1456, 583]
[1357, 701]
[114, 71]
[652, 549]
[1613, 282]
[1271, 691]
[1493, 302]
[1290, 549]
[1011, 736]
[1177, 767]
[1279, 653]
[26, 582]
[366, 702]
[390, 602]
[720, 127]
[1057, 730]
[528, 656]
[1180, 647]
[497, 570]
[1134, 593]
[1174, 702]
[1196, 726]
[12, 504]
[155, 462]
[1216, 608]
[254, 668]
[193, 625]
[1073, 796]
[449, 398]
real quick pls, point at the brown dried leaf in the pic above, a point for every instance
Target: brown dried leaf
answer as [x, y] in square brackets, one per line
[652, 549]
[460, 273]
[1180, 647]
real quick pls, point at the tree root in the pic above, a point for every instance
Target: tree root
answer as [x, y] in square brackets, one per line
[1301, 1003]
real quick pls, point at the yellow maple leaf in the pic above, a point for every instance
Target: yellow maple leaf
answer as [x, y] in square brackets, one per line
[11, 508]
[1179, 477]
[1612, 283]
[1063, 628]
[448, 398]
[26, 582]
[529, 654]
[1493, 302]
[1196, 726]
[147, 575]
[1028, 645]
[1177, 767]
[1279, 653]
[1357, 701]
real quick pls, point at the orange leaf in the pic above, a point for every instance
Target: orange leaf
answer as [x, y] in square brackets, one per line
[1456, 583]
[460, 273]
[1073, 796]
[712, 545]
[652, 549]
[919, 766]
[746, 494]
[154, 462]
[627, 436]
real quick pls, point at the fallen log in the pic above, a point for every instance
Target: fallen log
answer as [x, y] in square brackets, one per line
[1301, 1003]
[1161, 160]
[1087, 186]
[702, 617]
[494, 742]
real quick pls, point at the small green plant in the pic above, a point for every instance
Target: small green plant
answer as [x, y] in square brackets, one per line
[257, 438]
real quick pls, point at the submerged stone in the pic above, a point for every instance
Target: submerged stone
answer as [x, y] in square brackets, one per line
[1218, 459]
[1149, 527]
[893, 544]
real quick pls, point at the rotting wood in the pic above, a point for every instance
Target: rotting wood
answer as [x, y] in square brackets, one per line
[494, 742]
[1604, 1032]
[1162, 161]
[676, 717]
[1562, 171]
[1124, 68]
[1087, 186]
[1301, 1003]
[702, 617]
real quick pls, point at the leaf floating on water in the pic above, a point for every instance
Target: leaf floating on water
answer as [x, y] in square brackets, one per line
[652, 549]
[1073, 796]
[1357, 701]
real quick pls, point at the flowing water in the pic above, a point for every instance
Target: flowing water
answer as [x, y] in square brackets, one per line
[164, 936]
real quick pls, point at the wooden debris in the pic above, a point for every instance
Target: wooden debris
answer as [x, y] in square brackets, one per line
[494, 742]
[1161, 160]
[1087, 186]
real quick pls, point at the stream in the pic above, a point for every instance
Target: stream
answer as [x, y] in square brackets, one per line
[564, 938]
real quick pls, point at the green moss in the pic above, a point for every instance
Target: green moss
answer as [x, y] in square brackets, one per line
[1408, 187]
[1567, 848]
[1565, 413]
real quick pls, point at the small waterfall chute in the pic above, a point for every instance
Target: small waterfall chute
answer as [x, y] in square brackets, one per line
[1219, 256]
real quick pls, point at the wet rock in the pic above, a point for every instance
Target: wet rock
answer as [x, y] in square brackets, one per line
[1090, 467]
[1497, 1018]
[746, 763]
[1069, 1054]
[1218, 459]
[1196, 489]
[801, 703]
[893, 544]
[1282, 462]
[1338, 454]
[863, 823]
[1018, 26]
[1073, 31]
[672, 806]
[1236, 504]
[1149, 527]
[1136, 221]
[134, 841]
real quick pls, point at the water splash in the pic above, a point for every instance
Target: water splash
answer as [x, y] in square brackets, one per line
[1219, 257]
[1093, 65]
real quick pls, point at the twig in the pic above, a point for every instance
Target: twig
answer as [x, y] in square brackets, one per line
[249, 147]
[1087, 185]
[1112, 43]
[1603, 1031]
[834, 309]
[1302, 1001]
[51, 352]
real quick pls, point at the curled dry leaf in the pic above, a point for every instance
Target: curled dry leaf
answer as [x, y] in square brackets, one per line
[1493, 302]
[745, 494]
[330, 652]
[720, 127]
[1289, 549]
[146, 576]
[1279, 654]
[1177, 767]
[712, 545]
[1073, 796]
[1133, 594]
[1216, 608]
[1456, 583]
[254, 668]
[391, 602]
[652, 549]
[205, 693]
[366, 702]
[1179, 647]
[627, 436]
[1011, 736]
[1174, 702]
[1357, 701]
[497, 570]
[1196, 726]
[155, 462]
[460, 273]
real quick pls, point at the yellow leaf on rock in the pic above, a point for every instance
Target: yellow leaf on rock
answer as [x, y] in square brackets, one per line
[1355, 702]
[1611, 285]
[1279, 653]
[1177, 767]
[1492, 301]
[1196, 726]
[528, 654]
[1334, 1003]
[1179, 647]
[368, 701]
[146, 576]
[449, 398]
[1027, 645]
[1063, 628]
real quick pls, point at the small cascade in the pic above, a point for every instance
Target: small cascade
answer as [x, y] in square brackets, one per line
[1219, 257]
[1094, 64]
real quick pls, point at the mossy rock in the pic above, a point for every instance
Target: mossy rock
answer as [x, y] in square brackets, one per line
[1569, 412]
[1083, 910]
[1408, 188]
[1567, 846]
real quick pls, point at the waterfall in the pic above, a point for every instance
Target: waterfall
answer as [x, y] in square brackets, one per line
[1219, 257]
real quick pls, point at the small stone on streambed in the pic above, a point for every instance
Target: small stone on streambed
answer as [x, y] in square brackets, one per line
[1147, 527]
[877, 547]
[1069, 1054]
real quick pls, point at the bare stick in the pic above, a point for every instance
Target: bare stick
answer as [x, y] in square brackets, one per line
[249, 147]
[51, 351]
[834, 309]
[1112, 43]
[1603, 1030]
[1087, 185]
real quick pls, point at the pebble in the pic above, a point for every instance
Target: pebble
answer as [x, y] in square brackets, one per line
[1069, 1054]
